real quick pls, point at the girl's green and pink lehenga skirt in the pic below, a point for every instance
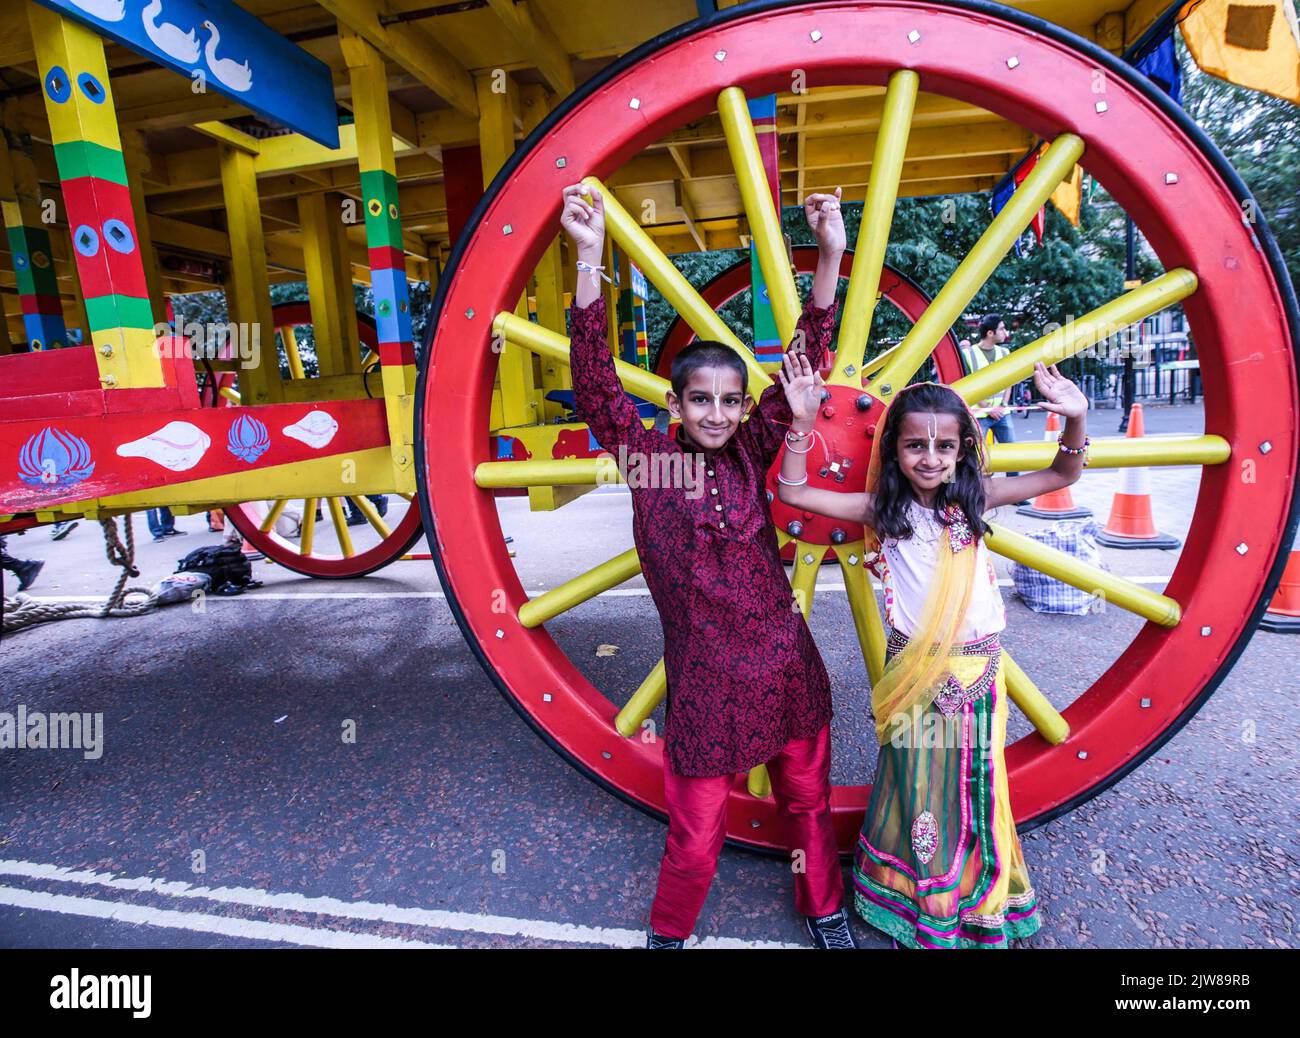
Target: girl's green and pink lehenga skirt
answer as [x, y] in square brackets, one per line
[938, 862]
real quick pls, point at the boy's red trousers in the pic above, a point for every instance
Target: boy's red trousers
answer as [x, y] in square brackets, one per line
[697, 809]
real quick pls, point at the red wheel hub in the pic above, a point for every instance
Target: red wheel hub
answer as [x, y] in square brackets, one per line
[837, 461]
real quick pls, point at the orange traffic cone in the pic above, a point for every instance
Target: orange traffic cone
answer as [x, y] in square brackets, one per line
[1056, 504]
[1283, 616]
[1131, 524]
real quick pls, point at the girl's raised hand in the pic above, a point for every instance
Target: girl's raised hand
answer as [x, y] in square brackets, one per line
[802, 383]
[1060, 394]
[826, 221]
[584, 221]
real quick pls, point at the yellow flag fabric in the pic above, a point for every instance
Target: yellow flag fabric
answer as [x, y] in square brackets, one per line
[1255, 45]
[1068, 197]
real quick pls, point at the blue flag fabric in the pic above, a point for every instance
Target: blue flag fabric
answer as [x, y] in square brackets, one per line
[1160, 65]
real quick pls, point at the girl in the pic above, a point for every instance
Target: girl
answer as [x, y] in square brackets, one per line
[938, 862]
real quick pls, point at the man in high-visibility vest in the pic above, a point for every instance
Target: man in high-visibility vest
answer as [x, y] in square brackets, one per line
[993, 412]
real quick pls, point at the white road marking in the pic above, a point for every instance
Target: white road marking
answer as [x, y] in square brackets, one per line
[438, 919]
[629, 592]
[201, 922]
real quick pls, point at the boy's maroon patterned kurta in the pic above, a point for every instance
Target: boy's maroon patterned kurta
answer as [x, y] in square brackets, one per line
[744, 677]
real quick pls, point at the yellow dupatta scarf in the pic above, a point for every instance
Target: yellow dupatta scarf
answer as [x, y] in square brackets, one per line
[919, 672]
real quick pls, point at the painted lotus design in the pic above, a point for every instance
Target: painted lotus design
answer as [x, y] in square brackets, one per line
[176, 446]
[248, 439]
[54, 458]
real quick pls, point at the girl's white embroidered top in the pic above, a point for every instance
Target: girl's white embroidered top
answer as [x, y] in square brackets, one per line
[906, 571]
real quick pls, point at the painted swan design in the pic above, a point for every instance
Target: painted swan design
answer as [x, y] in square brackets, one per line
[168, 38]
[104, 10]
[228, 72]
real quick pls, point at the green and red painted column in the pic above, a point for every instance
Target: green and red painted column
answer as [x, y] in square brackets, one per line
[97, 200]
[378, 168]
[29, 244]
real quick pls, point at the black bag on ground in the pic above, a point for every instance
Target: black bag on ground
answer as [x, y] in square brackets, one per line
[230, 571]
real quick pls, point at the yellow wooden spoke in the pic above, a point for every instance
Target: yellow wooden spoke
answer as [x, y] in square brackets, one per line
[341, 526]
[308, 531]
[1033, 704]
[229, 394]
[1075, 337]
[648, 695]
[269, 522]
[862, 604]
[553, 346]
[678, 292]
[979, 264]
[366, 508]
[608, 574]
[408, 498]
[547, 472]
[764, 221]
[1114, 452]
[807, 561]
[877, 218]
[1152, 605]
[291, 349]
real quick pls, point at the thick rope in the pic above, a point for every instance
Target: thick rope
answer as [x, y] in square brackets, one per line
[23, 611]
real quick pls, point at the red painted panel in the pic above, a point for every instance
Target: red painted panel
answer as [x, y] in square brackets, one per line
[48, 371]
[178, 452]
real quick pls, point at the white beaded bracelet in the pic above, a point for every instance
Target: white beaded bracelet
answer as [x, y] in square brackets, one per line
[792, 482]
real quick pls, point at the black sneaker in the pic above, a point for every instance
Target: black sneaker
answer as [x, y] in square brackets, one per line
[830, 931]
[27, 572]
[356, 520]
[61, 530]
[658, 940]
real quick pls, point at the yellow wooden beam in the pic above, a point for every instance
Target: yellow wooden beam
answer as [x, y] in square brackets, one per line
[329, 285]
[411, 47]
[219, 131]
[248, 293]
[532, 33]
[295, 153]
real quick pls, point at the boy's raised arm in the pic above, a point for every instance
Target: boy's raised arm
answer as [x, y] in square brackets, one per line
[767, 425]
[597, 392]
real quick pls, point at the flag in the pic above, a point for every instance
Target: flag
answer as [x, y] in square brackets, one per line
[1160, 65]
[1068, 196]
[1255, 45]
[1006, 188]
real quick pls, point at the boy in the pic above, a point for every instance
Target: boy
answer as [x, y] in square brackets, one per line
[746, 685]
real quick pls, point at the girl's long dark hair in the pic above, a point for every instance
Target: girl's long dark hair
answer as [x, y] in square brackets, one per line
[894, 493]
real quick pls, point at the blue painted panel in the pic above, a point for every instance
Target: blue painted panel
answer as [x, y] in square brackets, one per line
[238, 55]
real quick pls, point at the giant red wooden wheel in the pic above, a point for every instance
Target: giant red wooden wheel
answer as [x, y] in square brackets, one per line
[1184, 197]
[329, 548]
